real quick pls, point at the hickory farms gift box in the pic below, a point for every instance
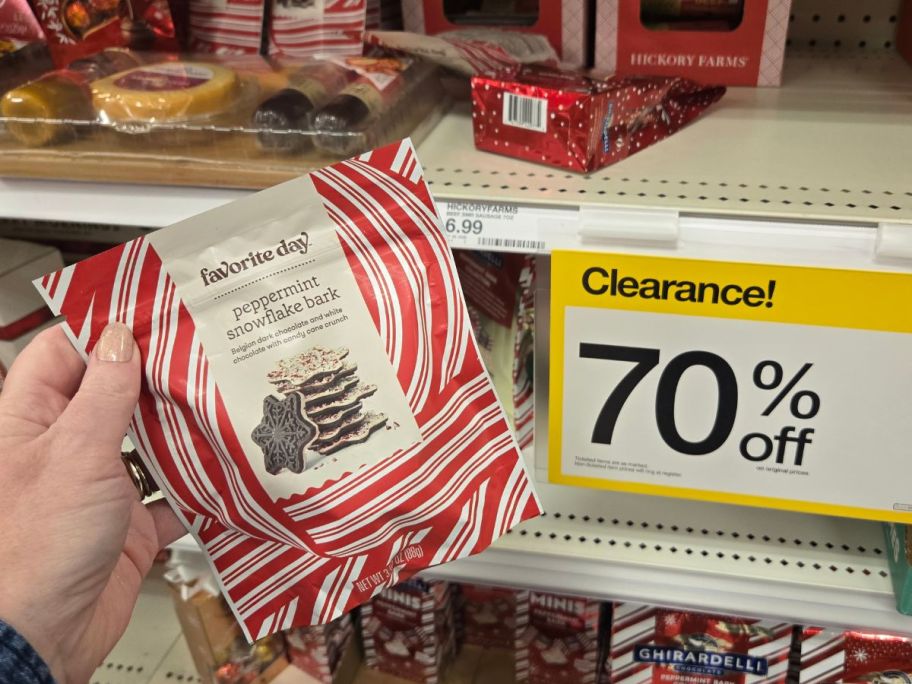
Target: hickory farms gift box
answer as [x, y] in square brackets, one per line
[686, 647]
[559, 639]
[568, 119]
[564, 23]
[22, 311]
[409, 631]
[314, 406]
[835, 657]
[733, 42]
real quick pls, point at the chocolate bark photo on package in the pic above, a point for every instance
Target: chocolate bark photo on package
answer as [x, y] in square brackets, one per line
[313, 404]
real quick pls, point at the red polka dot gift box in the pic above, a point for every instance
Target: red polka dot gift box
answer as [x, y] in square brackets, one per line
[578, 122]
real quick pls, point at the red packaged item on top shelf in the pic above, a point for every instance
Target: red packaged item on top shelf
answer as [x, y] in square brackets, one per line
[80, 28]
[834, 657]
[577, 122]
[686, 647]
[559, 639]
[409, 631]
[563, 23]
[733, 42]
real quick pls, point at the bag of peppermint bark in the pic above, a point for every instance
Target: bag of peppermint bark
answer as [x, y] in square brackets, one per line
[313, 406]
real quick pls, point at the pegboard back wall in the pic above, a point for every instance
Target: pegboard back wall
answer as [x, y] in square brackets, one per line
[843, 24]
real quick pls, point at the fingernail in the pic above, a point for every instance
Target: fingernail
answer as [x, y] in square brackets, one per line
[115, 343]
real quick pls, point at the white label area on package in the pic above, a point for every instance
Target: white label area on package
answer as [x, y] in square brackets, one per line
[507, 226]
[784, 387]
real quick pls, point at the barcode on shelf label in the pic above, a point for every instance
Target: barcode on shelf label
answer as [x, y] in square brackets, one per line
[507, 243]
[525, 112]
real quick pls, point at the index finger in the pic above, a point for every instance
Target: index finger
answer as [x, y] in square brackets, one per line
[41, 381]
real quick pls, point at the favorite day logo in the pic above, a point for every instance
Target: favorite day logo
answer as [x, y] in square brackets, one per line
[286, 247]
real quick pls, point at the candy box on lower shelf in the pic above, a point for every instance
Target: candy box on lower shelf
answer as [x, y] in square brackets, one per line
[579, 122]
[686, 647]
[560, 639]
[408, 631]
[836, 657]
[323, 654]
[488, 615]
[22, 311]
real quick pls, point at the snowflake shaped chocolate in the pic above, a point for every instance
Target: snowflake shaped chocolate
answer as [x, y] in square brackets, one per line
[284, 434]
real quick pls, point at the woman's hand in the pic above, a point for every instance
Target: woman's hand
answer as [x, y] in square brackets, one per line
[76, 541]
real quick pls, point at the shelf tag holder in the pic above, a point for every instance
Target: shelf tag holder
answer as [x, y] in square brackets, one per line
[894, 241]
[599, 224]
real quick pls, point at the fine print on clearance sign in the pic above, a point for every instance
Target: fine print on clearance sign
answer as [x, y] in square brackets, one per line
[600, 281]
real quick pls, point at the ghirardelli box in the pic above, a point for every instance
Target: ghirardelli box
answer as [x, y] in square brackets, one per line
[409, 631]
[664, 646]
[559, 639]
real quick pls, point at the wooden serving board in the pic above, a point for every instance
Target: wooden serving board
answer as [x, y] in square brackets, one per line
[232, 160]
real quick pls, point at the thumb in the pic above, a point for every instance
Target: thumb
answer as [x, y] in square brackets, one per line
[98, 414]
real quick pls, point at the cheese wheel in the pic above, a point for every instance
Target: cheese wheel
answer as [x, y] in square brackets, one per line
[164, 92]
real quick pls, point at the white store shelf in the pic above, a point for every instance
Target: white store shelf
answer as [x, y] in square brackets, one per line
[831, 145]
[762, 563]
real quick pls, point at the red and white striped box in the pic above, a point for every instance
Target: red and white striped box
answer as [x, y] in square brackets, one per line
[226, 27]
[661, 645]
[318, 651]
[833, 657]
[313, 28]
[409, 631]
[499, 292]
[488, 615]
[314, 406]
[749, 54]
[22, 311]
[559, 639]
[565, 23]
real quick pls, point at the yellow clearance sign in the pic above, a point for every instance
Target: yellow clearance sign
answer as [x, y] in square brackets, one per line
[776, 386]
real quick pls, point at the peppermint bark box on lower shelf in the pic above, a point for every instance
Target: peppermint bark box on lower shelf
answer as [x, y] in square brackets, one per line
[687, 647]
[409, 631]
[314, 406]
[560, 639]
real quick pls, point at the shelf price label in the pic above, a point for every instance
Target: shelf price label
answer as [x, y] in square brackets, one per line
[503, 226]
[776, 386]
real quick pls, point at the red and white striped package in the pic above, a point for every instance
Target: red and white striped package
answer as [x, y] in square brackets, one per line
[832, 657]
[308, 28]
[314, 406]
[650, 644]
[226, 27]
